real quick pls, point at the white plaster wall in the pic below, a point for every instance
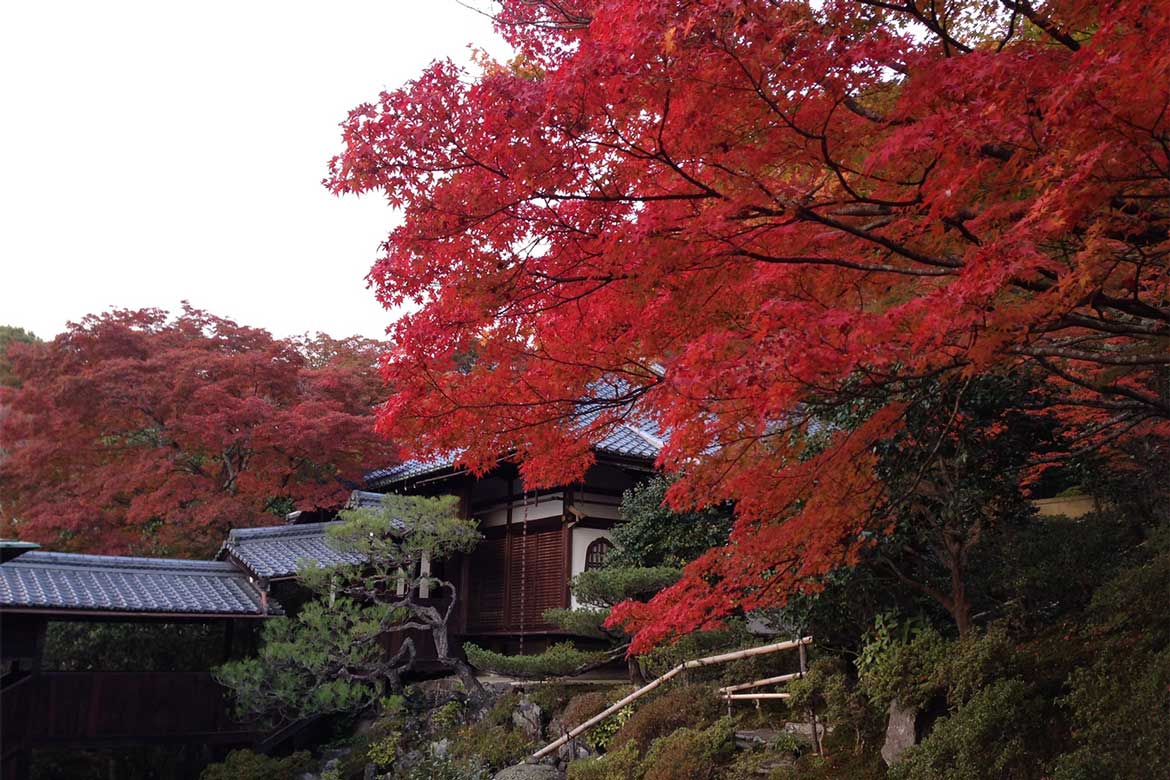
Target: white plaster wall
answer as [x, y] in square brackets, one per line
[582, 537]
[538, 509]
[590, 509]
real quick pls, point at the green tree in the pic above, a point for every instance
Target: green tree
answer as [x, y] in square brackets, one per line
[653, 535]
[329, 658]
[10, 334]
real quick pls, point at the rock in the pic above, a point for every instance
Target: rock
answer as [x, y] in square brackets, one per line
[409, 760]
[441, 749]
[901, 732]
[529, 718]
[803, 730]
[574, 750]
[529, 772]
[749, 738]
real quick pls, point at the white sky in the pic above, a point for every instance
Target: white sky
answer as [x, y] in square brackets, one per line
[156, 151]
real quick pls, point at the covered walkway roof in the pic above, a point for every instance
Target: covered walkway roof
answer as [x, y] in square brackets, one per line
[51, 582]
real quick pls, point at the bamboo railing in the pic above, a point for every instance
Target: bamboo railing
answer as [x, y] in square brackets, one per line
[736, 655]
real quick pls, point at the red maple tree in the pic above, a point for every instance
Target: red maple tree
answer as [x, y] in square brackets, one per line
[721, 214]
[137, 432]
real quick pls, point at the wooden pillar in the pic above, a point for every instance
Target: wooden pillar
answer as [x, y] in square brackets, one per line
[508, 616]
[567, 522]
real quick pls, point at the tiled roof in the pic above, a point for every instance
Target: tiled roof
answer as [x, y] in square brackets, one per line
[411, 469]
[642, 441]
[276, 552]
[107, 583]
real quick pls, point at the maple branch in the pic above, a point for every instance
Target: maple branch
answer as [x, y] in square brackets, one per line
[1044, 23]
[841, 263]
[1101, 358]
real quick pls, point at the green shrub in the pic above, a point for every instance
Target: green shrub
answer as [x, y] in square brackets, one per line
[829, 690]
[600, 736]
[994, 734]
[560, 659]
[612, 585]
[908, 671]
[493, 742]
[1120, 702]
[689, 705]
[690, 754]
[975, 662]
[552, 697]
[448, 717]
[615, 765]
[585, 621]
[653, 535]
[247, 765]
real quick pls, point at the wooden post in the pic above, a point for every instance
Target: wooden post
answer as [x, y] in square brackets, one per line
[816, 737]
[577, 731]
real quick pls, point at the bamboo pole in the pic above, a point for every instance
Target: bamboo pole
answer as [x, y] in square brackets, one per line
[759, 683]
[736, 655]
[756, 696]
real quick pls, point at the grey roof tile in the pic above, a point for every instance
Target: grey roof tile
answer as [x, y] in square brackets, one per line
[641, 440]
[108, 583]
[276, 551]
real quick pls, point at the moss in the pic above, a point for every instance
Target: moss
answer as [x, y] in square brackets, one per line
[493, 741]
[584, 706]
[247, 765]
[621, 764]
[690, 754]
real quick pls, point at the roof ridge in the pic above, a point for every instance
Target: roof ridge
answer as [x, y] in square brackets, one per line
[277, 531]
[47, 559]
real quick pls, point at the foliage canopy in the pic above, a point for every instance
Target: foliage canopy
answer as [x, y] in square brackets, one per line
[721, 215]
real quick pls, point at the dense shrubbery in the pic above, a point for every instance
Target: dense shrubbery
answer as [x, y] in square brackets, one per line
[655, 536]
[685, 753]
[992, 735]
[560, 659]
[683, 706]
[1120, 700]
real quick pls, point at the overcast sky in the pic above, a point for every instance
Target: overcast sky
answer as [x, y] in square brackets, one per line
[152, 152]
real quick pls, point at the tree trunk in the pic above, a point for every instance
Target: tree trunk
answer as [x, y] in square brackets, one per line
[442, 651]
[959, 606]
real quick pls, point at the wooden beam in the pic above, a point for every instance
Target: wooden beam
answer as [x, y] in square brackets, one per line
[783, 678]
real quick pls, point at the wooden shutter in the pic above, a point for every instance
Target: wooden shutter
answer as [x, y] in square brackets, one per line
[538, 578]
[486, 589]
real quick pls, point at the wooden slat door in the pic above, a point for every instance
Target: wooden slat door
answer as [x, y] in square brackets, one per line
[537, 579]
[486, 590]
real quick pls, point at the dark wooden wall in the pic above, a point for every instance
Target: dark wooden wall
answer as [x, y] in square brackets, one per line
[109, 709]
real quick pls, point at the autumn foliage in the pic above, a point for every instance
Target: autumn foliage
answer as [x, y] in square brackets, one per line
[136, 432]
[728, 216]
